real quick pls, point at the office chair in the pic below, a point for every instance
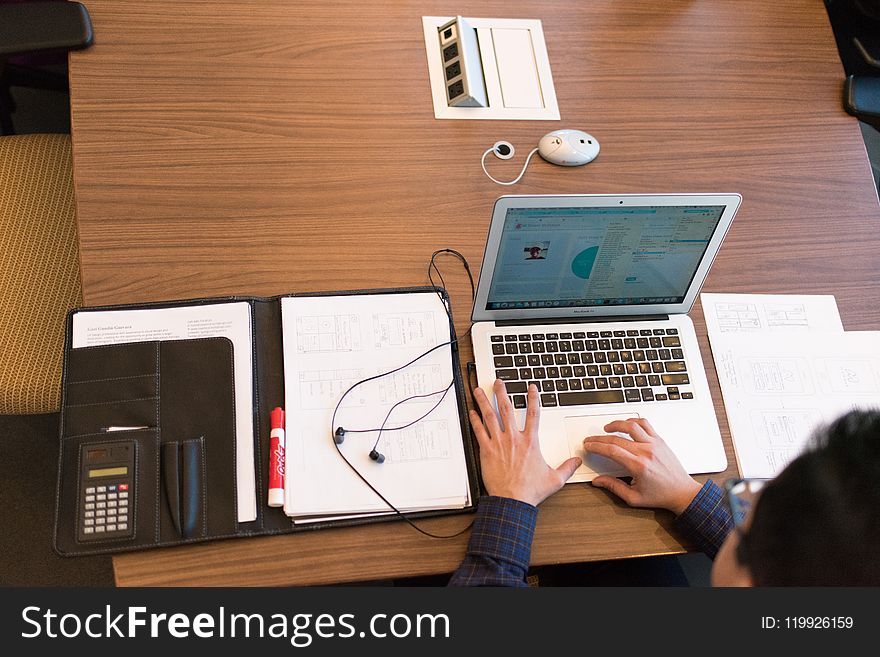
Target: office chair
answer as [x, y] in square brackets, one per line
[861, 93]
[861, 98]
[39, 269]
[39, 283]
[39, 279]
[36, 27]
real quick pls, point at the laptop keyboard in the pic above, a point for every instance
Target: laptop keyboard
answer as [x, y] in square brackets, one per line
[593, 367]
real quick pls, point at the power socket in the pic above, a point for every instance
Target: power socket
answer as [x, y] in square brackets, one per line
[462, 65]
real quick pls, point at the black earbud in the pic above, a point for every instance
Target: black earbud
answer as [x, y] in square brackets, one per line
[339, 438]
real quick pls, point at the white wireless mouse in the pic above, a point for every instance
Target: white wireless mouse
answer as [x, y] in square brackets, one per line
[568, 148]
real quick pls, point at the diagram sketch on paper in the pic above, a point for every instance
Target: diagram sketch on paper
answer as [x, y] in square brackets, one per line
[322, 388]
[780, 434]
[778, 376]
[850, 376]
[414, 380]
[427, 440]
[737, 316]
[786, 316]
[747, 316]
[328, 333]
[392, 330]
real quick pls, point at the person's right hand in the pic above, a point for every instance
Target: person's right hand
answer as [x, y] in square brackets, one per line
[659, 480]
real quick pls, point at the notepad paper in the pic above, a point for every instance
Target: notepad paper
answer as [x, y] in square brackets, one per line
[769, 313]
[778, 391]
[331, 342]
[229, 320]
[786, 369]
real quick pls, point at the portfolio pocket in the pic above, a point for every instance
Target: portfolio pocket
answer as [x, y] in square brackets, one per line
[177, 414]
[197, 415]
[112, 361]
[184, 485]
[110, 417]
[112, 389]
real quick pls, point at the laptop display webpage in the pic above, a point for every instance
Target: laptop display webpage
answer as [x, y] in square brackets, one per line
[599, 256]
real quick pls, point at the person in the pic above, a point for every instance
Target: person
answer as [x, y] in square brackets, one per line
[816, 523]
[535, 253]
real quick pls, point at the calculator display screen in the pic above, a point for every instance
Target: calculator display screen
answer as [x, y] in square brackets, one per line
[108, 472]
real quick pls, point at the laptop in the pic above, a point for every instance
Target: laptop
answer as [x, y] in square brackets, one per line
[587, 296]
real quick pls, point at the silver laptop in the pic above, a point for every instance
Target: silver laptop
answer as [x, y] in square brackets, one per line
[586, 296]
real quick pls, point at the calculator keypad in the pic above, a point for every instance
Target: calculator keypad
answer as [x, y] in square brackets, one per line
[105, 512]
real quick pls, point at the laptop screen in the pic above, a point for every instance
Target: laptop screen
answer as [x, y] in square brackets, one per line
[568, 257]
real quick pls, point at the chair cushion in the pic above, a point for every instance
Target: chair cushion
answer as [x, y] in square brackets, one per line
[39, 269]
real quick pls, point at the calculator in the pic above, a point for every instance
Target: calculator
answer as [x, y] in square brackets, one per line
[107, 491]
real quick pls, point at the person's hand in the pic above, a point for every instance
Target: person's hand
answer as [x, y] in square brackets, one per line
[510, 459]
[659, 480]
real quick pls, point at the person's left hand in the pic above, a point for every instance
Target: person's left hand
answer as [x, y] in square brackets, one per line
[510, 459]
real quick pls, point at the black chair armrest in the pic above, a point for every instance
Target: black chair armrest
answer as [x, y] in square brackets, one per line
[861, 98]
[35, 26]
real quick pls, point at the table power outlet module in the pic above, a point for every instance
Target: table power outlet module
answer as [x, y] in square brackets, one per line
[462, 65]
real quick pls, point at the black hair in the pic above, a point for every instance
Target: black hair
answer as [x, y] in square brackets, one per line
[818, 522]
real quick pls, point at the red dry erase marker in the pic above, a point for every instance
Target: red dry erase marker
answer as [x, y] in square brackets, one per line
[276, 459]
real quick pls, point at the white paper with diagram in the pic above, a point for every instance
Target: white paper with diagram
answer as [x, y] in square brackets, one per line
[769, 313]
[779, 389]
[331, 342]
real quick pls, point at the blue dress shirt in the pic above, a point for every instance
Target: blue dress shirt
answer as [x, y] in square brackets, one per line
[500, 545]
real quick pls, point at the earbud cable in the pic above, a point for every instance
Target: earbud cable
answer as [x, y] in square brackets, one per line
[432, 265]
[515, 180]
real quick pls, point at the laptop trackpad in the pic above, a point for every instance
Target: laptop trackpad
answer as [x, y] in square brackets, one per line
[579, 427]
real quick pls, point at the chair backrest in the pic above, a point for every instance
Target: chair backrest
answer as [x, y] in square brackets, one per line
[39, 269]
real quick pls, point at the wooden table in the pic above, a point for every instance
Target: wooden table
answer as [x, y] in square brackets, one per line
[261, 147]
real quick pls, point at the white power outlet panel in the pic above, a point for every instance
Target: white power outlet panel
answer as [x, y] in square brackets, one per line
[516, 70]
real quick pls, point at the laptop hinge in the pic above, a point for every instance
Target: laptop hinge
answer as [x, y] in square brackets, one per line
[579, 320]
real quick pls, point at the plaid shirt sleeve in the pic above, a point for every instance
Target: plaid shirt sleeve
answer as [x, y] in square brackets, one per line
[500, 546]
[707, 520]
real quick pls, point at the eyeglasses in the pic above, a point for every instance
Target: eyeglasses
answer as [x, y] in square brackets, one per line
[742, 494]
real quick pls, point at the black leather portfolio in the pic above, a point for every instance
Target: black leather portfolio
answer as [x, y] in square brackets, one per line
[148, 435]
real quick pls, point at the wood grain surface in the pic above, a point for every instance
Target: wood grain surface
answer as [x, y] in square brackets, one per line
[263, 146]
